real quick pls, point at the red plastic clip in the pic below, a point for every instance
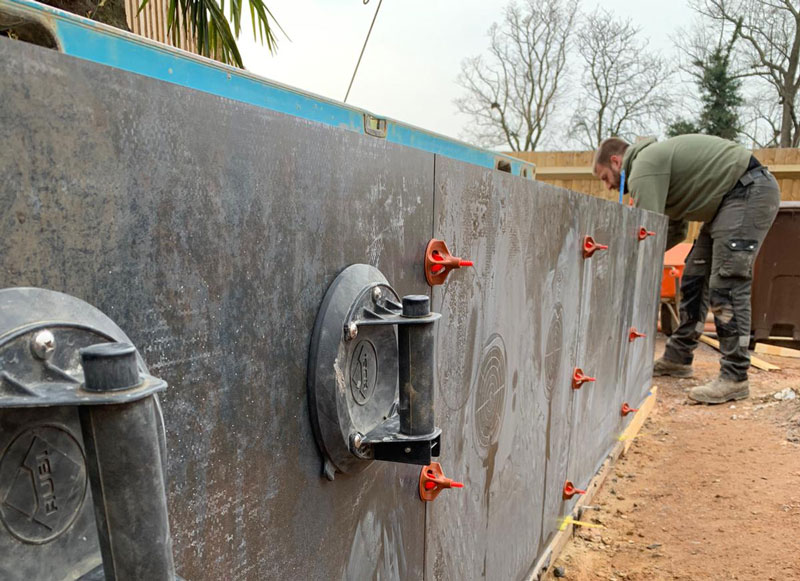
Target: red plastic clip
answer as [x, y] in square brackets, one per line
[633, 334]
[570, 491]
[626, 409]
[432, 481]
[590, 246]
[578, 378]
[644, 233]
[439, 262]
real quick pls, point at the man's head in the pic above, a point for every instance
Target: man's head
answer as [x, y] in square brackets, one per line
[607, 163]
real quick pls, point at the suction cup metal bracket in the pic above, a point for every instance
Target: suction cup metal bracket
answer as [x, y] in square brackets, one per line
[371, 374]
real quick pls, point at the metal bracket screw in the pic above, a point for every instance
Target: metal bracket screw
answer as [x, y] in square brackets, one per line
[43, 345]
[351, 332]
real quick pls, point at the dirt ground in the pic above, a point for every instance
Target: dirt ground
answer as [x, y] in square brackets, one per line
[705, 492]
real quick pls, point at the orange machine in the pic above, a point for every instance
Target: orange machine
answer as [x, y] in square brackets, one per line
[674, 261]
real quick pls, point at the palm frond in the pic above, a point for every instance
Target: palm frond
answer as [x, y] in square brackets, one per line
[209, 22]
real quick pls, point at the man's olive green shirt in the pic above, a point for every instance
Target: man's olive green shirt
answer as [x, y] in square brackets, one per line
[684, 177]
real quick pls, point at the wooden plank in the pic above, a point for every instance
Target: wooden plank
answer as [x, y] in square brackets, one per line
[584, 158]
[550, 159]
[754, 361]
[635, 426]
[785, 189]
[151, 23]
[524, 155]
[561, 538]
[694, 231]
[767, 349]
[765, 156]
[129, 14]
[565, 172]
[161, 23]
[784, 171]
[794, 194]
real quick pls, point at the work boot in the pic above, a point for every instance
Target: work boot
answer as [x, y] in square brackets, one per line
[663, 366]
[720, 390]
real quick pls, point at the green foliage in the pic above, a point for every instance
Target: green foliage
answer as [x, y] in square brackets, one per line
[206, 22]
[719, 93]
[682, 127]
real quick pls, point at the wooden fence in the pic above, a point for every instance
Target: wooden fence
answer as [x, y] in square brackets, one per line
[151, 23]
[572, 170]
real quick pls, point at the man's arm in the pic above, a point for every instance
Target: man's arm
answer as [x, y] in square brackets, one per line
[650, 191]
[676, 232]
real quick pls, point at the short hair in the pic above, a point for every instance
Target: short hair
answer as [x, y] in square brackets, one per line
[607, 148]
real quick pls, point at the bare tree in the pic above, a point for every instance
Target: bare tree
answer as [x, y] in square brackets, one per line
[770, 30]
[762, 118]
[623, 83]
[511, 93]
[696, 45]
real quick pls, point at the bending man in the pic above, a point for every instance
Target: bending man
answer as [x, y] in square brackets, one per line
[711, 180]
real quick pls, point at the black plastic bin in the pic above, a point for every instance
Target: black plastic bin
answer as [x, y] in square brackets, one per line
[776, 278]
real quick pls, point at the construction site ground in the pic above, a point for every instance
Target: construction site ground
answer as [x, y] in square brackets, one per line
[705, 492]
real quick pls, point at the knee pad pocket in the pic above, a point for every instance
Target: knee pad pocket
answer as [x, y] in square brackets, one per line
[721, 302]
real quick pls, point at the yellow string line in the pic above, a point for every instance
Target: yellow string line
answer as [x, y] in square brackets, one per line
[570, 521]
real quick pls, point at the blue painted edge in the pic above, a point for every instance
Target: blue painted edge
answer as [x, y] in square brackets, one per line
[92, 41]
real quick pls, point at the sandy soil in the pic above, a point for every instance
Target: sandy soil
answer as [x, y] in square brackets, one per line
[705, 492]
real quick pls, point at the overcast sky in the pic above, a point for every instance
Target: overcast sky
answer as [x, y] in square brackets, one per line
[414, 55]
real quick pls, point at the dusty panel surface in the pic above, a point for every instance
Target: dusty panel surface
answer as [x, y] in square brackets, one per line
[644, 302]
[209, 231]
[602, 339]
[615, 297]
[505, 345]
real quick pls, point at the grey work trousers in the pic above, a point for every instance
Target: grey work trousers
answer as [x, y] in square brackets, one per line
[719, 272]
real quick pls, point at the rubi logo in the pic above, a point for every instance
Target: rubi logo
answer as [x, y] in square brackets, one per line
[42, 483]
